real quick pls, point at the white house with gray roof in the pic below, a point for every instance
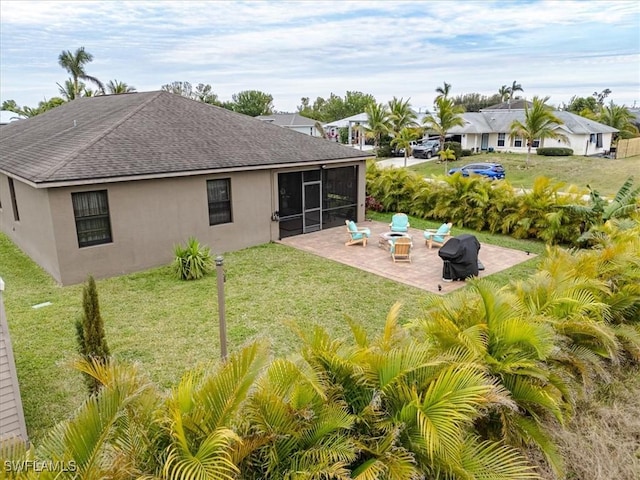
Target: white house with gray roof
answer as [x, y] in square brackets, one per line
[489, 129]
[110, 184]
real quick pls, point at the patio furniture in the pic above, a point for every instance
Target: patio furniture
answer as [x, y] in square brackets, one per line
[386, 239]
[399, 223]
[439, 236]
[401, 249]
[356, 235]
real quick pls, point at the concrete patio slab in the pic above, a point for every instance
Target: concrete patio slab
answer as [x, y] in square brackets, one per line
[425, 269]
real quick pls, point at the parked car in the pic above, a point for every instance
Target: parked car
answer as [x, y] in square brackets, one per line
[494, 171]
[427, 149]
[399, 152]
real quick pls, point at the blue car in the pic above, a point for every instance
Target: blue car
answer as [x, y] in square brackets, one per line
[494, 171]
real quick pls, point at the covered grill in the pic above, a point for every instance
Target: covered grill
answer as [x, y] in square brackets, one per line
[460, 256]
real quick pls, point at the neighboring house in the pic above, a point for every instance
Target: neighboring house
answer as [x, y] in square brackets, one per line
[293, 121]
[489, 129]
[353, 123]
[110, 184]
[12, 425]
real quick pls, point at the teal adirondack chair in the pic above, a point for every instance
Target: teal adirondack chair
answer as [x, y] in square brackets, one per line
[399, 223]
[357, 235]
[439, 236]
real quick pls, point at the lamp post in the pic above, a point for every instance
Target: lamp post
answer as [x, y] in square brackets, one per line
[221, 317]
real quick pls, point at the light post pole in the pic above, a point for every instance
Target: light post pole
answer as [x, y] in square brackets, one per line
[221, 317]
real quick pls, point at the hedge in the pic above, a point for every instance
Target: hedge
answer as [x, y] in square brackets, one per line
[554, 151]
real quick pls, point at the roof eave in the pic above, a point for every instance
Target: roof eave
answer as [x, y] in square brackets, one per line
[155, 176]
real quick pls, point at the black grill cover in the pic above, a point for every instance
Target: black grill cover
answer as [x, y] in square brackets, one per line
[460, 256]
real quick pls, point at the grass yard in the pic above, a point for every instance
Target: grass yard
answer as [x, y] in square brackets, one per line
[170, 326]
[603, 174]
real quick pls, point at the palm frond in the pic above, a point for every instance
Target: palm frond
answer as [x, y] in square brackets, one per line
[494, 461]
[212, 459]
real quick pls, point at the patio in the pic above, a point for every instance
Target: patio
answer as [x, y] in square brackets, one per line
[425, 269]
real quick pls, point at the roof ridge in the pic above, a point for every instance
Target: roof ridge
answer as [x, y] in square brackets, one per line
[102, 134]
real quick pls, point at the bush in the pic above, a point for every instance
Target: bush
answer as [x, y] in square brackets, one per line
[554, 151]
[455, 146]
[92, 343]
[192, 261]
[384, 151]
[372, 204]
[466, 152]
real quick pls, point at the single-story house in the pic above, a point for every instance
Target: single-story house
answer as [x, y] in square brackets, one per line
[110, 184]
[489, 129]
[293, 121]
[353, 122]
[12, 424]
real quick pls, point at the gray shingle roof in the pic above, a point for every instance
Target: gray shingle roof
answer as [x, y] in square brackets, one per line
[151, 133]
[499, 121]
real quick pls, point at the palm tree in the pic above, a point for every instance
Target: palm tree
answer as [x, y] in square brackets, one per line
[503, 91]
[443, 91]
[599, 211]
[115, 87]
[539, 123]
[68, 90]
[12, 106]
[74, 63]
[412, 408]
[619, 116]
[448, 116]
[446, 155]
[491, 328]
[515, 87]
[400, 116]
[403, 140]
[377, 121]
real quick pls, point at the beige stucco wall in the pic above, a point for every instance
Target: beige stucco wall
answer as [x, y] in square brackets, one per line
[33, 233]
[150, 217]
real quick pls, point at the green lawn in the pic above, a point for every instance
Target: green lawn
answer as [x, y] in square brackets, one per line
[603, 174]
[170, 326]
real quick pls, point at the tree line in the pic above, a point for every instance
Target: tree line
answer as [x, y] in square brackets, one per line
[332, 108]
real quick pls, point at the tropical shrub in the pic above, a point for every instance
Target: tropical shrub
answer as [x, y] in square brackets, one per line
[192, 261]
[372, 205]
[466, 152]
[554, 151]
[383, 151]
[455, 146]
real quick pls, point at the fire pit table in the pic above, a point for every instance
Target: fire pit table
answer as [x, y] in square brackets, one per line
[386, 239]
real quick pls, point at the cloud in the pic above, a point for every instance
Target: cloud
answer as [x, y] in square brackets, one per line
[294, 49]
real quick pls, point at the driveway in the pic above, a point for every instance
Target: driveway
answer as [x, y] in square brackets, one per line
[425, 269]
[398, 162]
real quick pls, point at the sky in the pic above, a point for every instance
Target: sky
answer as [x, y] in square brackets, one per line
[295, 49]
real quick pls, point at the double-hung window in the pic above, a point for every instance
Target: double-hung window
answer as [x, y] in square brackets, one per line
[91, 211]
[501, 137]
[219, 198]
[536, 143]
[517, 142]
